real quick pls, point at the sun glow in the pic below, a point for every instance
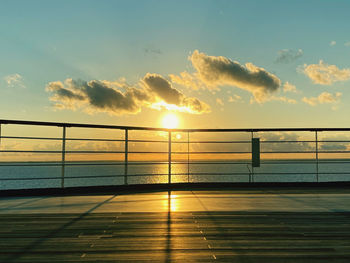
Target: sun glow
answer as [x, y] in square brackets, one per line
[161, 105]
[170, 121]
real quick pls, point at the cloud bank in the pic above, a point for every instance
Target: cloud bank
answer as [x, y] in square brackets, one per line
[154, 91]
[288, 55]
[220, 71]
[274, 145]
[325, 74]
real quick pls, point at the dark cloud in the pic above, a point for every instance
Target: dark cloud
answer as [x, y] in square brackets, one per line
[163, 89]
[65, 97]
[152, 50]
[271, 142]
[100, 96]
[336, 142]
[108, 97]
[195, 105]
[219, 71]
[288, 55]
[331, 146]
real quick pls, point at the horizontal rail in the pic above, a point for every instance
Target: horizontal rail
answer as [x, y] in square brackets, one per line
[44, 151]
[79, 125]
[163, 141]
[268, 162]
[165, 174]
[163, 152]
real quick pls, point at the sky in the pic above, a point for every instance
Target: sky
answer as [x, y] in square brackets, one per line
[215, 64]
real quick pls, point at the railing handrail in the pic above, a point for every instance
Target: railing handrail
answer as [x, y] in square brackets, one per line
[100, 126]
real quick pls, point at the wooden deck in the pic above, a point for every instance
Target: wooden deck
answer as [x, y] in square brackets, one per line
[175, 235]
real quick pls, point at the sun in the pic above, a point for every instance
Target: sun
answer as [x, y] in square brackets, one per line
[170, 121]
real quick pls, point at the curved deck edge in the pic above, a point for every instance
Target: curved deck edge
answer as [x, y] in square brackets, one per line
[299, 187]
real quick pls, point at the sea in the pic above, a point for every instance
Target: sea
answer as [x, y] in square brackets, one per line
[28, 175]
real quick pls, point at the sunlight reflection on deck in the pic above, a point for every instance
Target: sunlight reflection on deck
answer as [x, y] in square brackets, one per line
[170, 202]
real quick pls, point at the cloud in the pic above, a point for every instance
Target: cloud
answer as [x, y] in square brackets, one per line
[325, 74]
[68, 97]
[163, 90]
[219, 102]
[14, 80]
[234, 98]
[114, 98]
[153, 50]
[323, 98]
[288, 55]
[332, 43]
[278, 98]
[347, 44]
[190, 81]
[333, 146]
[330, 145]
[283, 99]
[296, 142]
[219, 71]
[97, 95]
[287, 87]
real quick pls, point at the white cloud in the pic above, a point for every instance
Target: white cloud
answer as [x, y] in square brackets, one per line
[219, 101]
[234, 98]
[283, 99]
[188, 80]
[347, 44]
[288, 87]
[325, 74]
[332, 43]
[14, 80]
[288, 55]
[323, 98]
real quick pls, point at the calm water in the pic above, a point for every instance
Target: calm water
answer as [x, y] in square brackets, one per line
[100, 173]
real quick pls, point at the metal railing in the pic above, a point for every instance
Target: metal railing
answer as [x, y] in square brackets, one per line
[269, 147]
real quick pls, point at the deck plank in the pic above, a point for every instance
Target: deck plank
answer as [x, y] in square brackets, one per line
[176, 237]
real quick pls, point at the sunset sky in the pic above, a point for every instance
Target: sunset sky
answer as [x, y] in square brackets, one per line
[215, 64]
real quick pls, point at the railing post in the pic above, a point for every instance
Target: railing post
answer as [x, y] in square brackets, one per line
[316, 151]
[126, 157]
[251, 175]
[0, 136]
[188, 157]
[63, 156]
[169, 158]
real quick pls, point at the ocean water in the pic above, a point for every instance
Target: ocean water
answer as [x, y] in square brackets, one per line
[36, 175]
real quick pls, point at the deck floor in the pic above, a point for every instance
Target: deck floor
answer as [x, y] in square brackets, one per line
[188, 226]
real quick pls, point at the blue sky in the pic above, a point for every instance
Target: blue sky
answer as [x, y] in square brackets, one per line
[50, 41]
